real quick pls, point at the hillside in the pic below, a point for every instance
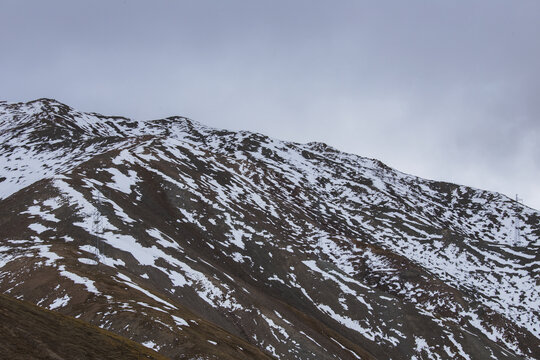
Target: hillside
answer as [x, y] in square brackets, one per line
[29, 332]
[200, 241]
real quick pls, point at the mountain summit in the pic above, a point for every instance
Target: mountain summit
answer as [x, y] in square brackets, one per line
[203, 243]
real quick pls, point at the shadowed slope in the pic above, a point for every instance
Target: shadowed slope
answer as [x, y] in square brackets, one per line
[29, 332]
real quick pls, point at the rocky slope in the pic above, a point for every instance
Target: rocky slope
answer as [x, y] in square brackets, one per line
[203, 242]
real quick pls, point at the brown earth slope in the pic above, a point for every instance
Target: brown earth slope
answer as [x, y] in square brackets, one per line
[29, 332]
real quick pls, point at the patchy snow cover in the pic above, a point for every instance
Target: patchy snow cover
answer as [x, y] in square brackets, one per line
[365, 329]
[88, 261]
[349, 350]
[77, 279]
[36, 210]
[163, 239]
[152, 345]
[59, 302]
[39, 228]
[323, 201]
[179, 321]
[121, 181]
[274, 326]
[127, 280]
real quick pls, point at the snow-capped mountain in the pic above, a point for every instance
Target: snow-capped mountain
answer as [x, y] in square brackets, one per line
[196, 241]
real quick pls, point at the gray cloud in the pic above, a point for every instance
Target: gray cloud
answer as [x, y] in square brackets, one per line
[444, 90]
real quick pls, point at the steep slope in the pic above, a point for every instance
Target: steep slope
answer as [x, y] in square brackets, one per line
[29, 332]
[234, 238]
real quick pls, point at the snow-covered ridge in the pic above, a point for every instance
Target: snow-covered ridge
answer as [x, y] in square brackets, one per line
[216, 218]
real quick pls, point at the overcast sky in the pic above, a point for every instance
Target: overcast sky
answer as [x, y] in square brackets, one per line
[447, 90]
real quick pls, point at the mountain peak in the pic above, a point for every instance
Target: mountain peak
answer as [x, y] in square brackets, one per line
[46, 101]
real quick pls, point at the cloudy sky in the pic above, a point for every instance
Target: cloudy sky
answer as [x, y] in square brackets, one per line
[447, 90]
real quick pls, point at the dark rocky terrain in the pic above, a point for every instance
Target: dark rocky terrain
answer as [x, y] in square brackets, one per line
[206, 243]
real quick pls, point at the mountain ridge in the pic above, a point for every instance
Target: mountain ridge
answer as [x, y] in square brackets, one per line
[363, 247]
[191, 123]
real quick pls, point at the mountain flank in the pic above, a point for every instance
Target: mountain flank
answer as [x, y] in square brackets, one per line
[207, 243]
